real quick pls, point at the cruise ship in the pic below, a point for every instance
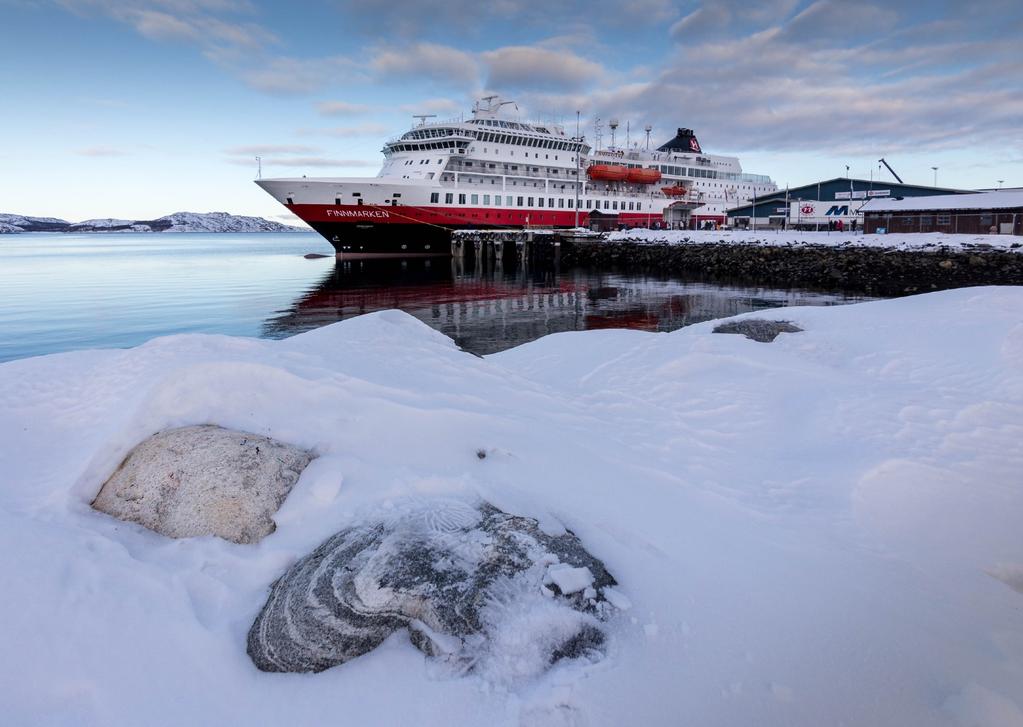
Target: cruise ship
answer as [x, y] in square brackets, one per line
[492, 171]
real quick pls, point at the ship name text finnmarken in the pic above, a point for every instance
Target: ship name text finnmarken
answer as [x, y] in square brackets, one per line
[357, 213]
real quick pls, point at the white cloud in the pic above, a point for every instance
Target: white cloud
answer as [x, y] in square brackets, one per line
[270, 149]
[317, 162]
[730, 17]
[285, 75]
[101, 151]
[516, 67]
[352, 130]
[433, 106]
[439, 63]
[828, 20]
[342, 108]
[161, 26]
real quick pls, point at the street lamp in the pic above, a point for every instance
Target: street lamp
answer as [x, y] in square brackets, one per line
[754, 207]
[577, 152]
[1000, 182]
[935, 176]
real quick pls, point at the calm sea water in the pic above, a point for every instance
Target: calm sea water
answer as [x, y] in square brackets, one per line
[62, 292]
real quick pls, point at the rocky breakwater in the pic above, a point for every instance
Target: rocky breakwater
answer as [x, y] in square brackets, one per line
[848, 264]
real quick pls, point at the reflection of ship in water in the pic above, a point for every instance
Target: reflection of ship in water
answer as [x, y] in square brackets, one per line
[488, 309]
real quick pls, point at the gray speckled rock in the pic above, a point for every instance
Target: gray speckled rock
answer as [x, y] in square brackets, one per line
[758, 329]
[478, 588]
[204, 480]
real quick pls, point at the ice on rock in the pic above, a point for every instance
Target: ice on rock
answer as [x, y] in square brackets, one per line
[461, 575]
[758, 329]
[616, 598]
[568, 579]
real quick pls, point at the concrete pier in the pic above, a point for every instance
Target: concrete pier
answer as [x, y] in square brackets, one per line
[498, 246]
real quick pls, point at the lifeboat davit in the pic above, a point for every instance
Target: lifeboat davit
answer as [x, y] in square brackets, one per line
[675, 191]
[607, 172]
[644, 176]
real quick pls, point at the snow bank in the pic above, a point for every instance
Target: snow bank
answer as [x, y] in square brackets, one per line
[793, 238]
[817, 530]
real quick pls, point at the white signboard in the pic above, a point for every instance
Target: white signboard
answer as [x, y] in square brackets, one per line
[860, 194]
[879, 193]
[811, 212]
[843, 195]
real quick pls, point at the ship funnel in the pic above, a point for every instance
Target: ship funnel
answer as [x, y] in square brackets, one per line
[684, 141]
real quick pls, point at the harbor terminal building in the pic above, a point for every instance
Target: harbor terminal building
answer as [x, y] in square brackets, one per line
[817, 205]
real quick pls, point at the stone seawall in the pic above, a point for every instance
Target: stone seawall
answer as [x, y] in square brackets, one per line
[871, 269]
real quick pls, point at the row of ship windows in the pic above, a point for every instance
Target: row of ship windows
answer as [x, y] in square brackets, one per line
[465, 179]
[512, 167]
[509, 125]
[536, 155]
[710, 174]
[525, 141]
[490, 138]
[451, 146]
[512, 201]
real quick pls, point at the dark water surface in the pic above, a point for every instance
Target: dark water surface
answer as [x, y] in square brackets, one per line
[61, 292]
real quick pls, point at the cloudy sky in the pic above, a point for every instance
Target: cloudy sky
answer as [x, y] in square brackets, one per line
[137, 108]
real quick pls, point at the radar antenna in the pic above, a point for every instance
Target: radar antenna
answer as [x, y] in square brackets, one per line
[491, 107]
[423, 117]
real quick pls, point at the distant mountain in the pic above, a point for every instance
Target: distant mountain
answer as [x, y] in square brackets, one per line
[177, 222]
[20, 223]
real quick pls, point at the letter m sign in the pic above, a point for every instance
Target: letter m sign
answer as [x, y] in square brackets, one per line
[838, 210]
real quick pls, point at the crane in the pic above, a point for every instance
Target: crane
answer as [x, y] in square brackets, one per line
[889, 168]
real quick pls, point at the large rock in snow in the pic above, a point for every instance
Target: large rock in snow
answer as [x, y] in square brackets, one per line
[204, 480]
[478, 588]
[758, 329]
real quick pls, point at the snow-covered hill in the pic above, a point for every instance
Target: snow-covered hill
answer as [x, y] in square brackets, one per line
[108, 224]
[177, 222]
[21, 223]
[216, 222]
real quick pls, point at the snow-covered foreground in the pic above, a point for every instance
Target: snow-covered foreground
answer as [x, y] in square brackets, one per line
[793, 238]
[820, 530]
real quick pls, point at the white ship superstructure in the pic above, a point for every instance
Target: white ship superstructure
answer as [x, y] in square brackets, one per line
[491, 171]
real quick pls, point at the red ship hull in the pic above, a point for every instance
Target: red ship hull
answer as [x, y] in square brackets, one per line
[370, 230]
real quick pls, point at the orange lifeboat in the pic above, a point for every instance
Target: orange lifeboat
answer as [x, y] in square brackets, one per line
[675, 191]
[607, 172]
[644, 176]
